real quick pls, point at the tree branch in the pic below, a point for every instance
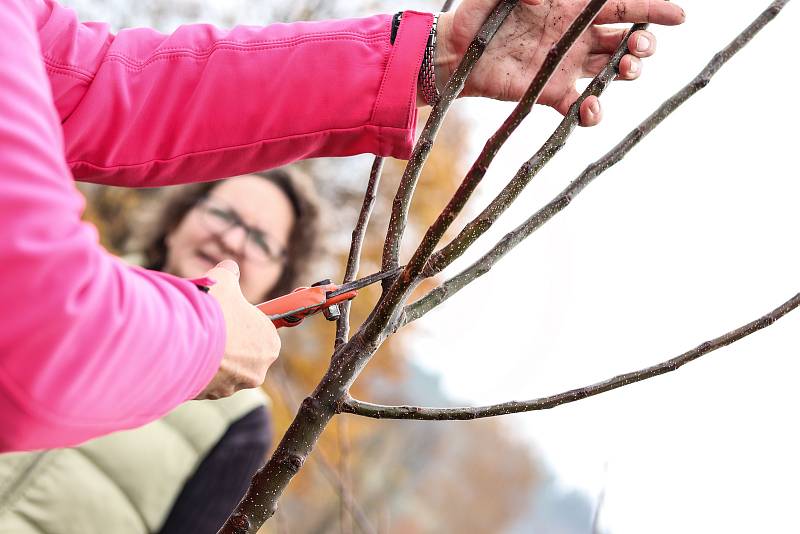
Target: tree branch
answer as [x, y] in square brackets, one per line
[480, 224]
[533, 223]
[346, 494]
[348, 361]
[402, 200]
[478, 170]
[598, 506]
[402, 285]
[356, 244]
[341, 486]
[356, 512]
[375, 411]
[316, 411]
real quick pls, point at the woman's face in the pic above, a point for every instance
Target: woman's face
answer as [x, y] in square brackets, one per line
[247, 219]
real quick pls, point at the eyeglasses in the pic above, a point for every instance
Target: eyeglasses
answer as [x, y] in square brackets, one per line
[219, 217]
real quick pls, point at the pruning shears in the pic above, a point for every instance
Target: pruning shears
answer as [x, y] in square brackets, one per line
[323, 296]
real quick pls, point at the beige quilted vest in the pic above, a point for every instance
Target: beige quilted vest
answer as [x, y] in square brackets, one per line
[123, 483]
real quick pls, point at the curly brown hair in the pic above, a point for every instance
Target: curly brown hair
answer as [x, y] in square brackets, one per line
[150, 240]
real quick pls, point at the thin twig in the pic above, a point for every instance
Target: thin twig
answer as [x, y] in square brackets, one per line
[366, 449]
[402, 285]
[467, 413]
[356, 244]
[316, 410]
[402, 200]
[282, 525]
[479, 168]
[354, 509]
[601, 499]
[290, 397]
[563, 199]
[346, 494]
[480, 224]
[341, 487]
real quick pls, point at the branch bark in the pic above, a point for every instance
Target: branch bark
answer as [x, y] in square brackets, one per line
[341, 484]
[261, 500]
[350, 358]
[478, 170]
[480, 224]
[402, 200]
[386, 311]
[447, 5]
[563, 199]
[492, 146]
[356, 244]
[376, 411]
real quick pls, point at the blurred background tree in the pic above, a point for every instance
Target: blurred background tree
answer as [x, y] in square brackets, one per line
[365, 476]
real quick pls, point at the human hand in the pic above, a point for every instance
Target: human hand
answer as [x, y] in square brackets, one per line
[519, 48]
[252, 342]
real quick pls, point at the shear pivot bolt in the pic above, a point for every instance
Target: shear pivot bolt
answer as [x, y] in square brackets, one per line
[332, 313]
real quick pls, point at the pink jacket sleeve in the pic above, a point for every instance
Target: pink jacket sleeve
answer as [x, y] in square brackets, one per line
[88, 345]
[141, 108]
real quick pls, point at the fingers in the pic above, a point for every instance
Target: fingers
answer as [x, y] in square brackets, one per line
[655, 11]
[564, 104]
[226, 276]
[594, 64]
[642, 44]
[630, 68]
[230, 266]
[607, 40]
[590, 111]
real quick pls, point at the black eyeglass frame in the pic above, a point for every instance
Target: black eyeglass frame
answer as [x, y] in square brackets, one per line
[210, 206]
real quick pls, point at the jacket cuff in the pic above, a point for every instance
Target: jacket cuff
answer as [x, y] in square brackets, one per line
[395, 109]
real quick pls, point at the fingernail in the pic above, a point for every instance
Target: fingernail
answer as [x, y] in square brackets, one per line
[642, 44]
[634, 68]
[594, 107]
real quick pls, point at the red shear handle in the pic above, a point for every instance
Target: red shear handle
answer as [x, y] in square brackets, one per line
[290, 310]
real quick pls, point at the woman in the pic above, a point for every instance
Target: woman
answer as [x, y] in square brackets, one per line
[201, 225]
[140, 108]
[185, 472]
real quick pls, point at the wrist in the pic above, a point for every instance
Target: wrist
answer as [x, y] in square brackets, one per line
[438, 62]
[445, 61]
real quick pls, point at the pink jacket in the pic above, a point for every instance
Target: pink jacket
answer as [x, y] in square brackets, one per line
[89, 345]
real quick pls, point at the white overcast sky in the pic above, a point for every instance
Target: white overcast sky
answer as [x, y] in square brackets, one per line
[692, 235]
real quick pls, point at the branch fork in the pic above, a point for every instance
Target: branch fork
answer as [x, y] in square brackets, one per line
[331, 395]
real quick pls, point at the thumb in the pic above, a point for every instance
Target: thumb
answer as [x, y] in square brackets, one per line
[229, 265]
[225, 271]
